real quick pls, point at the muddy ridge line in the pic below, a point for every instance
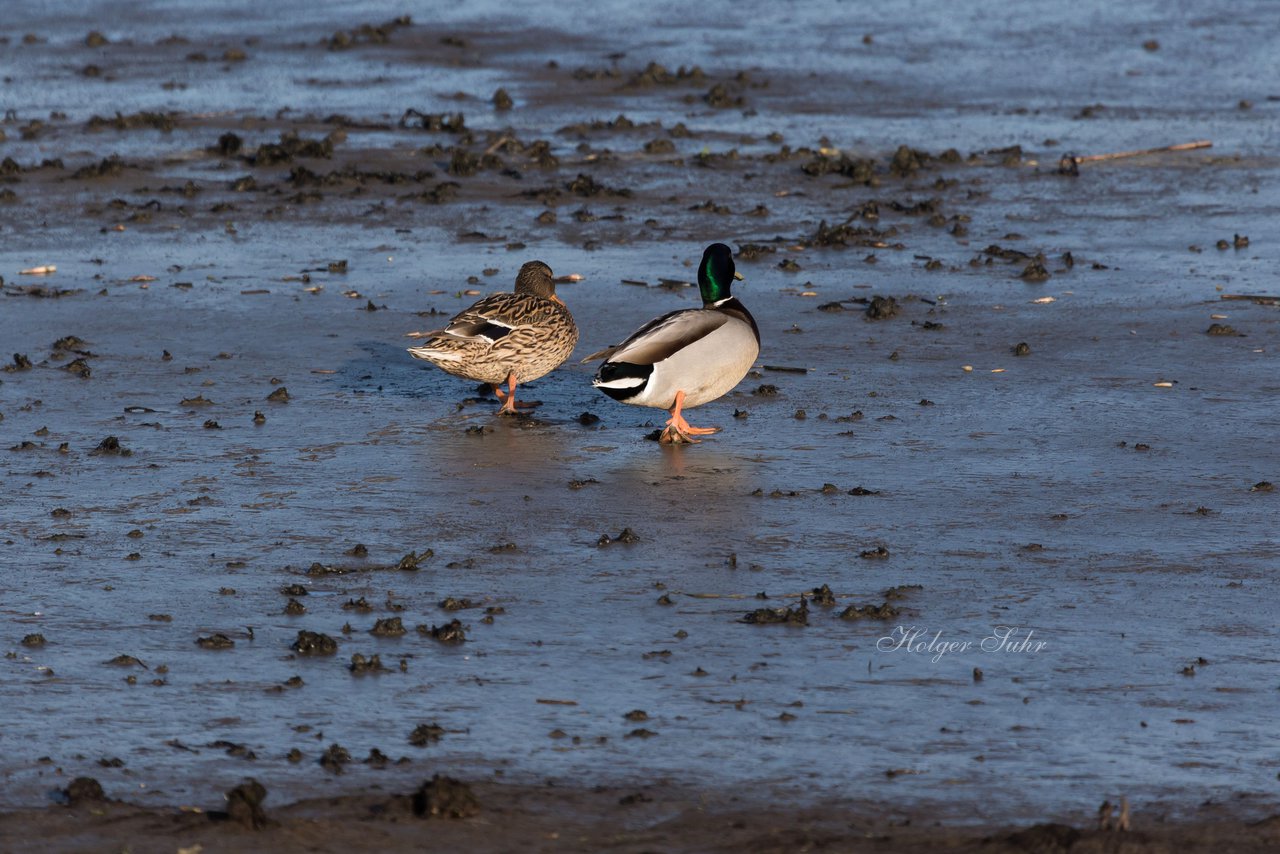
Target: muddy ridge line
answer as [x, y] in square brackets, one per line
[483, 172]
[501, 817]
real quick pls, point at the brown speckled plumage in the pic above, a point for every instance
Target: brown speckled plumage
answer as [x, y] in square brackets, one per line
[525, 334]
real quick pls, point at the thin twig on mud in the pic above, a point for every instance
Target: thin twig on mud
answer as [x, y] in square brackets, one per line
[1260, 299]
[1070, 163]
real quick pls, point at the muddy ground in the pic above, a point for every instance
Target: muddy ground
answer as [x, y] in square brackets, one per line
[499, 817]
[983, 544]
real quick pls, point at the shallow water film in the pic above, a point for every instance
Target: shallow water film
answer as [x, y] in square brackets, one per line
[989, 530]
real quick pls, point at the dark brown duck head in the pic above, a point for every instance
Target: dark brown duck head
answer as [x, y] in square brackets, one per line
[536, 278]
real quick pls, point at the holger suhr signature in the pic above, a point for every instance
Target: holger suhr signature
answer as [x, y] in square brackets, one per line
[919, 640]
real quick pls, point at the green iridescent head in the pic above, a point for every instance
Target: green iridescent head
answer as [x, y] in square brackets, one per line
[716, 273]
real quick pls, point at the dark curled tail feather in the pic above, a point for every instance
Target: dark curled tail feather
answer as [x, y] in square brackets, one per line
[612, 379]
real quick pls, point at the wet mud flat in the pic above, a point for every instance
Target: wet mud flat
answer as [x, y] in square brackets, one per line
[983, 541]
[502, 817]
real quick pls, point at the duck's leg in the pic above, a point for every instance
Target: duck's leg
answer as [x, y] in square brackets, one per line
[508, 398]
[678, 430]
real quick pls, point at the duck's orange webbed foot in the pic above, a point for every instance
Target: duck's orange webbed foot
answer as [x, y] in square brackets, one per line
[678, 431]
[508, 398]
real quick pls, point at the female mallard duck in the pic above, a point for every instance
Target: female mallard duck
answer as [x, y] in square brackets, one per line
[511, 338]
[686, 358]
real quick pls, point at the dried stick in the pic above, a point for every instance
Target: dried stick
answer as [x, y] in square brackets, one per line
[1260, 299]
[1070, 163]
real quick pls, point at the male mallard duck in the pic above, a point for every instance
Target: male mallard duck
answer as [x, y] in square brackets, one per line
[686, 358]
[511, 338]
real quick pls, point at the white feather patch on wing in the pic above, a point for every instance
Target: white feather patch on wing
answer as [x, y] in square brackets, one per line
[485, 329]
[431, 354]
[621, 382]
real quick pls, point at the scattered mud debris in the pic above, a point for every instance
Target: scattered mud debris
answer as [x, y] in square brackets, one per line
[656, 74]
[1022, 348]
[215, 641]
[823, 596]
[452, 632]
[754, 251]
[367, 34]
[795, 616]
[108, 167]
[314, 643]
[882, 308]
[84, 790]
[378, 759]
[411, 561]
[335, 758]
[425, 734]
[454, 123]
[847, 234]
[860, 170]
[1222, 329]
[360, 665]
[720, 98]
[901, 591]
[111, 446]
[244, 805]
[145, 120]
[39, 291]
[445, 797]
[587, 187]
[290, 146]
[388, 627]
[884, 611]
[997, 251]
[1035, 271]
[878, 553]
[627, 536]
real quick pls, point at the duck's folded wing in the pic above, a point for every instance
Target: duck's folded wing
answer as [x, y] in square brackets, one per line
[478, 329]
[600, 354]
[660, 338]
[491, 318]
